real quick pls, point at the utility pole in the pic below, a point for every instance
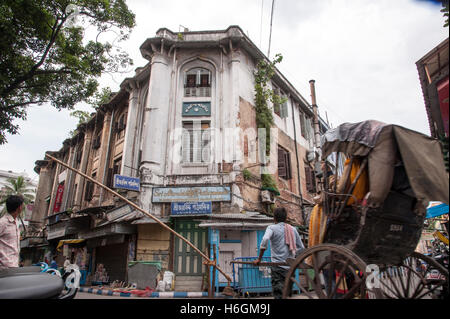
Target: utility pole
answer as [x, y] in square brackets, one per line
[270, 34]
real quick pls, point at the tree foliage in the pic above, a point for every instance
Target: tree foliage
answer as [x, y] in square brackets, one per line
[46, 58]
[445, 11]
[17, 186]
[264, 118]
[263, 74]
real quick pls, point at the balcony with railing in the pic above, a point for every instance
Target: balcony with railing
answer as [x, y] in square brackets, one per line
[197, 92]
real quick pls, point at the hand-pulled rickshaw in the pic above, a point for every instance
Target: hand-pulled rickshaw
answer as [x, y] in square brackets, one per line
[365, 228]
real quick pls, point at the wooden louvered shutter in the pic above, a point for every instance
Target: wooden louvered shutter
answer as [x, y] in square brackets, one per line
[186, 148]
[110, 177]
[284, 110]
[282, 165]
[206, 143]
[288, 165]
[190, 80]
[308, 178]
[88, 191]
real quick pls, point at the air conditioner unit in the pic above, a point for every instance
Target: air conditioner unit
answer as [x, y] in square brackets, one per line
[310, 156]
[267, 197]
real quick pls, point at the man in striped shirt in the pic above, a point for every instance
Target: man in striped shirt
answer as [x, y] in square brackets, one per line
[9, 233]
[283, 246]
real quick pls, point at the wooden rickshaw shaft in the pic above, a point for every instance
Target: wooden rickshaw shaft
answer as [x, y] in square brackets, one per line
[209, 261]
[261, 264]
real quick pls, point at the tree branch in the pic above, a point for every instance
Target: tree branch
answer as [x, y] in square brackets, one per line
[55, 31]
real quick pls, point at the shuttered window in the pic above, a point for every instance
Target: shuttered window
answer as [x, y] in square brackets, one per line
[88, 191]
[284, 163]
[113, 170]
[310, 180]
[197, 83]
[303, 125]
[196, 142]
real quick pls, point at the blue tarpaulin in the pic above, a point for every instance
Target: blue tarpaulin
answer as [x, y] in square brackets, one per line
[437, 210]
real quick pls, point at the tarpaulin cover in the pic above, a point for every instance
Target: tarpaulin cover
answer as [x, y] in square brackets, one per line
[352, 138]
[68, 241]
[424, 163]
[437, 210]
[421, 155]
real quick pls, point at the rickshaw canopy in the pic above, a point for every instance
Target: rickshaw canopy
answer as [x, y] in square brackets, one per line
[387, 146]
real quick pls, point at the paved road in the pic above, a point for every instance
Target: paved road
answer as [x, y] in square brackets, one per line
[86, 295]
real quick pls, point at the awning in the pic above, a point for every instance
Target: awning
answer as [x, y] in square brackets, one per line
[436, 209]
[68, 241]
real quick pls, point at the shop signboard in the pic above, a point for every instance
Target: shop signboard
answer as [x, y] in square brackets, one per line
[126, 182]
[196, 108]
[191, 208]
[56, 232]
[191, 194]
[58, 198]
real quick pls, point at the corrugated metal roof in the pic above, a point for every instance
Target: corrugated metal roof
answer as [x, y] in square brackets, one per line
[245, 225]
[255, 216]
[148, 220]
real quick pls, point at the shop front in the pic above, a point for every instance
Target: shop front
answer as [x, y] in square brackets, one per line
[109, 250]
[236, 237]
[189, 207]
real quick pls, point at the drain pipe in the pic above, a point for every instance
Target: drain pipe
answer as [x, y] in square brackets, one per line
[298, 165]
[316, 114]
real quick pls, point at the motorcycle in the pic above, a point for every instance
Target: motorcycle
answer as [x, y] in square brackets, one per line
[39, 282]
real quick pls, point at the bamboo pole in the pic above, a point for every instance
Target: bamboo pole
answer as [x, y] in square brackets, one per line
[208, 261]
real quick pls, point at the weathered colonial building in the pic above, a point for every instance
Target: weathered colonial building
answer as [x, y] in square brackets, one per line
[185, 125]
[433, 71]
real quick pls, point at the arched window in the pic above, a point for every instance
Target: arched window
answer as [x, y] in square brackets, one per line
[197, 83]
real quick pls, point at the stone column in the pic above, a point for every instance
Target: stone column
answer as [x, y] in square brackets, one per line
[155, 132]
[156, 115]
[233, 122]
[43, 191]
[68, 183]
[103, 160]
[131, 146]
[83, 168]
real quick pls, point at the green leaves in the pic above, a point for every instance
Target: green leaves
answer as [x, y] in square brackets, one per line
[264, 118]
[45, 59]
[17, 186]
[263, 74]
[445, 10]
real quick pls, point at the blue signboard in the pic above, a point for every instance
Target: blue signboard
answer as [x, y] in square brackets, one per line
[196, 108]
[191, 194]
[191, 208]
[125, 182]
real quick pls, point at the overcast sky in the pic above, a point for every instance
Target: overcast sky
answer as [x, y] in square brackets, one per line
[361, 53]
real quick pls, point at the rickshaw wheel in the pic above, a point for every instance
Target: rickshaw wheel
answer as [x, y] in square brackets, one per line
[411, 280]
[329, 272]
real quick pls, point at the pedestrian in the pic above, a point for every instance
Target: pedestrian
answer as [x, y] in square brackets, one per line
[66, 263]
[54, 264]
[10, 233]
[285, 243]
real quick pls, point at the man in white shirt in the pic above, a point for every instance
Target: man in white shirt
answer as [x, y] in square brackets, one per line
[10, 233]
